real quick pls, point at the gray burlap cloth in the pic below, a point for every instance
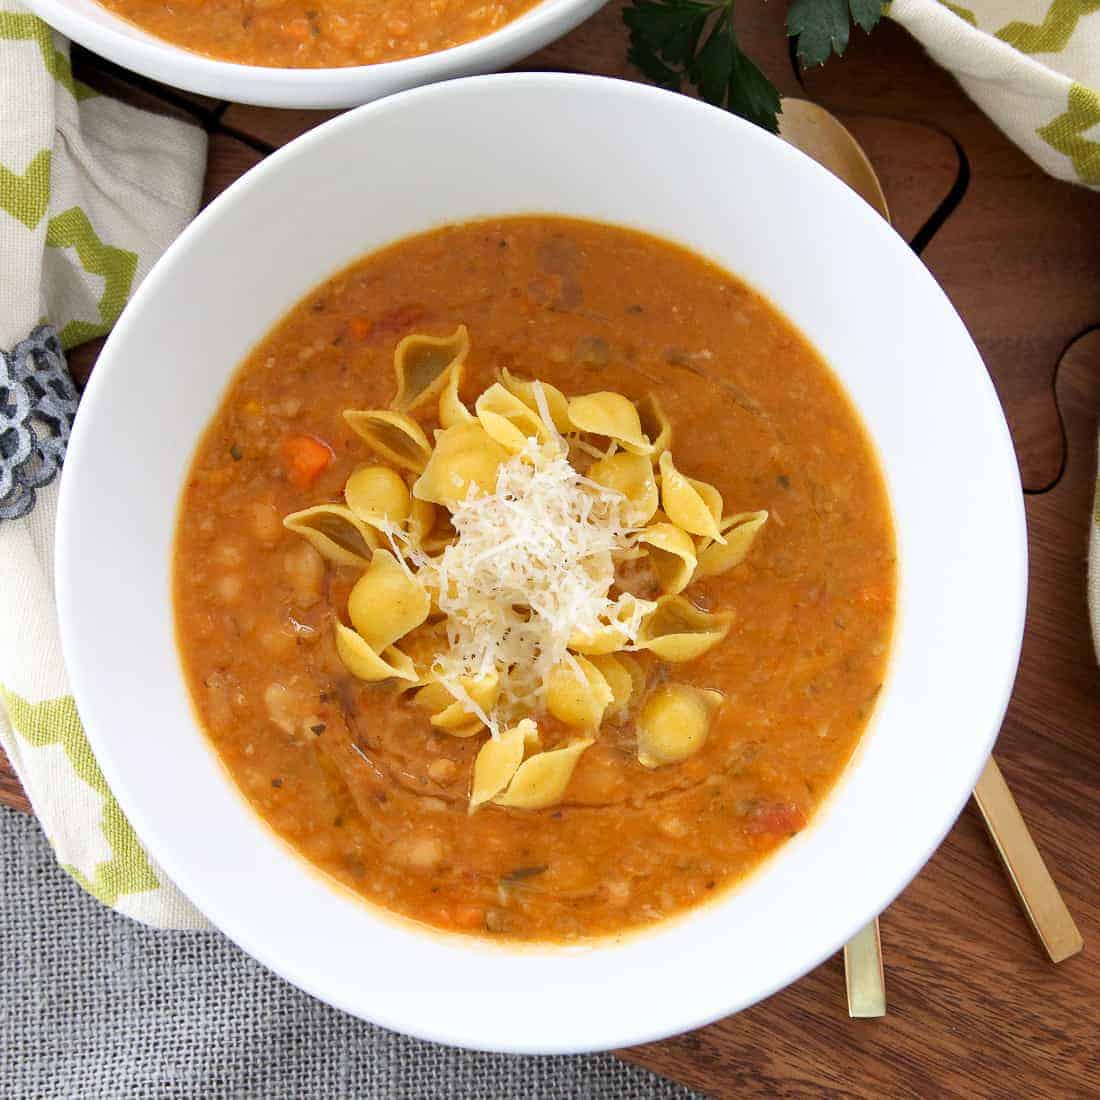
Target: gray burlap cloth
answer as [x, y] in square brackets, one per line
[94, 1005]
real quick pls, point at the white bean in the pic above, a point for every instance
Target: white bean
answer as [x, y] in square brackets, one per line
[674, 827]
[618, 891]
[227, 553]
[228, 588]
[280, 704]
[305, 569]
[442, 770]
[417, 851]
[266, 522]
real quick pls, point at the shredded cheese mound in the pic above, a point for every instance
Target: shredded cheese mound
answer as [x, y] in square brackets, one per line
[530, 568]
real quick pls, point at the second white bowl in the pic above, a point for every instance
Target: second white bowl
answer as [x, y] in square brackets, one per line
[111, 36]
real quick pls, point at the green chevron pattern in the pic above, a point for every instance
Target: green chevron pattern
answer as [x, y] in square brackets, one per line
[965, 14]
[26, 197]
[1055, 31]
[72, 229]
[16, 26]
[56, 722]
[1064, 134]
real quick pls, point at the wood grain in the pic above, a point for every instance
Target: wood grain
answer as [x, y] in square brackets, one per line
[11, 792]
[975, 1008]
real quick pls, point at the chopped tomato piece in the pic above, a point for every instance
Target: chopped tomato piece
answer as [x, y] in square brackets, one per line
[305, 457]
[468, 917]
[776, 819]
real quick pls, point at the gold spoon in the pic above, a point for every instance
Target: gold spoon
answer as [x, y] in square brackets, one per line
[820, 135]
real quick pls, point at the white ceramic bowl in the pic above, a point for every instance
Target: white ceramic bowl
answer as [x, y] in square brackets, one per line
[113, 37]
[621, 153]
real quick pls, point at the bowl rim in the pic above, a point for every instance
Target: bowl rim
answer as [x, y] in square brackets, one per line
[889, 883]
[159, 59]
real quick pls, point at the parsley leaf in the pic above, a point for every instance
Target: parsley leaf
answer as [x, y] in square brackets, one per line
[673, 42]
[665, 37]
[822, 26]
[752, 95]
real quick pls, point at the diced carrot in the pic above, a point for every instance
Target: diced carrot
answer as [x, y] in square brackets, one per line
[359, 328]
[305, 457]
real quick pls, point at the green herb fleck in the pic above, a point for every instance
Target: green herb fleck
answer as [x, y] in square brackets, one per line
[236, 453]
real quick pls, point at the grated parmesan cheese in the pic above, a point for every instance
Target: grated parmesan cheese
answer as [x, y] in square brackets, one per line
[531, 566]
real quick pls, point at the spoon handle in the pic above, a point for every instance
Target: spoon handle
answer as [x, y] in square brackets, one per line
[1037, 891]
[863, 973]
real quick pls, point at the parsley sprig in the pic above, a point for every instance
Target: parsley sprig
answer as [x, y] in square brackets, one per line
[674, 42]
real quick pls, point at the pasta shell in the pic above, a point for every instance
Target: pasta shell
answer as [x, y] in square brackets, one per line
[386, 602]
[436, 698]
[557, 405]
[423, 365]
[464, 455]
[497, 762]
[615, 669]
[672, 553]
[508, 420]
[450, 713]
[541, 780]
[377, 494]
[637, 672]
[612, 415]
[577, 698]
[631, 475]
[679, 631]
[614, 633]
[366, 664]
[713, 500]
[451, 409]
[687, 503]
[740, 531]
[421, 521]
[674, 723]
[441, 535]
[655, 424]
[423, 646]
[396, 437]
[336, 532]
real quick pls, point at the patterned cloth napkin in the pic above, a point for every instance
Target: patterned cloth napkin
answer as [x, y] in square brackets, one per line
[1033, 66]
[91, 192]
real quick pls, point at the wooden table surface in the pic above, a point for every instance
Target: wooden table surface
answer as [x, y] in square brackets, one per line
[975, 1007]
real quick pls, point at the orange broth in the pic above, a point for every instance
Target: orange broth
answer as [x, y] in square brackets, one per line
[352, 774]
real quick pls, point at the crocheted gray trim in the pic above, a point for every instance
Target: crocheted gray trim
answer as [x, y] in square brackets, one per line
[37, 404]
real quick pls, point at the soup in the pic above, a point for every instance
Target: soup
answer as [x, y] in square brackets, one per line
[304, 35]
[535, 579]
